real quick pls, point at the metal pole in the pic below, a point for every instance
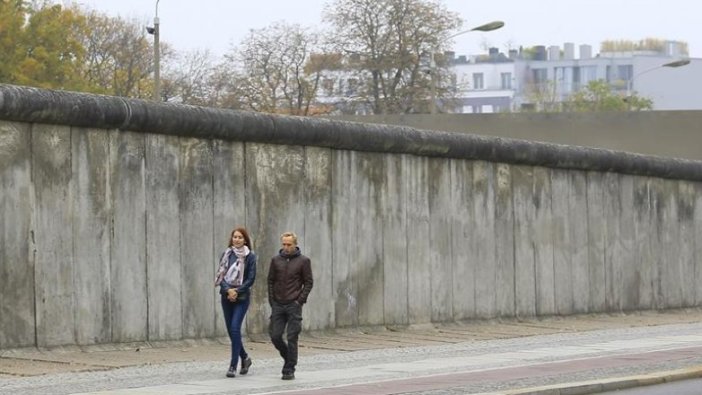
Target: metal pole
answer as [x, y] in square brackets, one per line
[157, 58]
[432, 66]
[628, 93]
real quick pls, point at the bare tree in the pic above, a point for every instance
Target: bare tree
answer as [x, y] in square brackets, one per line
[273, 70]
[392, 41]
[187, 77]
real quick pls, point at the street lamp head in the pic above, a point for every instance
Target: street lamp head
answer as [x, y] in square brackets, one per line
[489, 26]
[678, 63]
[150, 30]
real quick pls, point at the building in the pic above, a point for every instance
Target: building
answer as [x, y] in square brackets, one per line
[545, 78]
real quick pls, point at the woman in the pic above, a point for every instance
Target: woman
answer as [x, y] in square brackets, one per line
[235, 276]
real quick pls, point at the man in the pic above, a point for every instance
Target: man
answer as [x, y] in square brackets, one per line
[289, 284]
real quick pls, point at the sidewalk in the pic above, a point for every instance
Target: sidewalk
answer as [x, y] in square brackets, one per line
[383, 361]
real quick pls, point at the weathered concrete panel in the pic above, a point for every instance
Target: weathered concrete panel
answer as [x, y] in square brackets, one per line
[698, 243]
[596, 236]
[163, 238]
[483, 236]
[274, 204]
[524, 212]
[229, 211]
[463, 243]
[686, 221]
[658, 258]
[318, 234]
[578, 236]
[629, 287]
[128, 273]
[367, 260]
[668, 242]
[196, 237]
[91, 230]
[643, 231]
[562, 243]
[52, 176]
[17, 290]
[394, 235]
[419, 301]
[439, 251]
[504, 242]
[543, 242]
[344, 288]
[613, 244]
[672, 260]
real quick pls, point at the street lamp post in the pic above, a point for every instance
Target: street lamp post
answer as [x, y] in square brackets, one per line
[157, 55]
[432, 62]
[630, 82]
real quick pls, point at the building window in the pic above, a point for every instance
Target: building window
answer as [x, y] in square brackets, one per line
[506, 80]
[626, 72]
[540, 76]
[587, 74]
[576, 75]
[478, 81]
[352, 87]
[328, 86]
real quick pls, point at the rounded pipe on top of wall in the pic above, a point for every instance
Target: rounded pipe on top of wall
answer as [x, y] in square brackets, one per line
[35, 105]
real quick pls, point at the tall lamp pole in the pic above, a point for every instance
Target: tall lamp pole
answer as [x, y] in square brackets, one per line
[432, 62]
[157, 55]
[630, 82]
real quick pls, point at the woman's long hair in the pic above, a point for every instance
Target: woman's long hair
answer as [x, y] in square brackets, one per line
[247, 239]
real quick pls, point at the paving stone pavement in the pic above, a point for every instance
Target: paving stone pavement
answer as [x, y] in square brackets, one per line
[454, 357]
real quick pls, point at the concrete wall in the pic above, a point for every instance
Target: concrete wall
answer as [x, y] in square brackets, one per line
[675, 134]
[114, 212]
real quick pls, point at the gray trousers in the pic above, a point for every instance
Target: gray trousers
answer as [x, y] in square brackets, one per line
[286, 317]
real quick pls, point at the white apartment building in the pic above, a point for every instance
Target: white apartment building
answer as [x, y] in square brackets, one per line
[552, 74]
[498, 82]
[483, 84]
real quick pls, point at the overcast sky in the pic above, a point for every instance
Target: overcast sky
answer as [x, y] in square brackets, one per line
[217, 24]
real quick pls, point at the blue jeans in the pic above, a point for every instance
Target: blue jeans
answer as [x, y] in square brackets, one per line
[234, 313]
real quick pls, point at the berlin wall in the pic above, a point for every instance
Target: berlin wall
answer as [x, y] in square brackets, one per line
[113, 213]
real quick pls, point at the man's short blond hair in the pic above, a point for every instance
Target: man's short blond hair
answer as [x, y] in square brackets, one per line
[290, 234]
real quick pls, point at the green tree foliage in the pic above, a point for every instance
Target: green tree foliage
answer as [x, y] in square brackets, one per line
[598, 96]
[119, 56]
[44, 45]
[391, 41]
[12, 15]
[66, 47]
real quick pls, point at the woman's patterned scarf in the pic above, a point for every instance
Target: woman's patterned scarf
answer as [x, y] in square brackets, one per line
[232, 274]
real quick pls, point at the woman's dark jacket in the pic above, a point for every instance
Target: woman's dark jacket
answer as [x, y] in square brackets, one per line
[249, 276]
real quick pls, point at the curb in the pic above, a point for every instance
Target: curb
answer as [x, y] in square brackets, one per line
[603, 385]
